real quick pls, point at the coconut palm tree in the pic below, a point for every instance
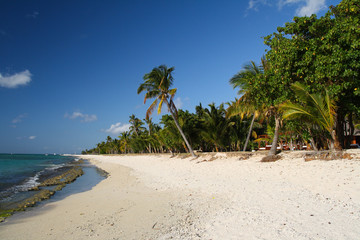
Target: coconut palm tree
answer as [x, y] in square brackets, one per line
[216, 126]
[157, 85]
[124, 140]
[151, 127]
[313, 108]
[136, 125]
[245, 106]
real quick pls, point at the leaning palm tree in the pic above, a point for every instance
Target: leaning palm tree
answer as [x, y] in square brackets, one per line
[313, 108]
[245, 106]
[157, 85]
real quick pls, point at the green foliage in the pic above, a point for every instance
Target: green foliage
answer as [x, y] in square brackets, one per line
[157, 85]
[312, 109]
[319, 52]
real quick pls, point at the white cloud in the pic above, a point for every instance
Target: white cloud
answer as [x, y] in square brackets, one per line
[311, 7]
[83, 117]
[26, 138]
[178, 103]
[307, 8]
[13, 81]
[33, 15]
[19, 118]
[253, 4]
[117, 128]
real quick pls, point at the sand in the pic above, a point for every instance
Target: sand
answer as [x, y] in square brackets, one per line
[159, 197]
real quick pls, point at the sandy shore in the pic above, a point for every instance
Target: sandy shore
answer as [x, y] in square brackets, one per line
[158, 197]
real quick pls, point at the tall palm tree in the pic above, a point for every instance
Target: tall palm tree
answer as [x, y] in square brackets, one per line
[216, 126]
[316, 108]
[150, 124]
[124, 140]
[136, 125]
[245, 106]
[157, 85]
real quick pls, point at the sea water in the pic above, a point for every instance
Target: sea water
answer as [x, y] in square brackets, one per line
[22, 172]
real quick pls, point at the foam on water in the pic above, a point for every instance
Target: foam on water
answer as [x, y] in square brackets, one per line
[21, 172]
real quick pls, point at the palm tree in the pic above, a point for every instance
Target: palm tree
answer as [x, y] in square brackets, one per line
[150, 124]
[239, 110]
[245, 106]
[124, 140]
[216, 126]
[157, 85]
[136, 125]
[314, 108]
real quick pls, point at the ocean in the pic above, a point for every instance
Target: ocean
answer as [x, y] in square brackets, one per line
[21, 172]
[26, 179]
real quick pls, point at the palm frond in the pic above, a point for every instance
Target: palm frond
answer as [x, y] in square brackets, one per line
[151, 109]
[172, 93]
[315, 108]
[151, 94]
[293, 110]
[161, 103]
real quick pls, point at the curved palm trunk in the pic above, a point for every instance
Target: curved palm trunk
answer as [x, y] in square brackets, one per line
[249, 134]
[180, 130]
[272, 150]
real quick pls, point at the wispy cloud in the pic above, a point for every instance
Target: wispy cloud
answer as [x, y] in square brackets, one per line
[83, 117]
[15, 80]
[307, 7]
[304, 7]
[254, 4]
[26, 138]
[35, 14]
[117, 128]
[19, 118]
[178, 102]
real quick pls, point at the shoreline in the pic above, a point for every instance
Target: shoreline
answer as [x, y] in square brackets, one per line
[41, 187]
[216, 196]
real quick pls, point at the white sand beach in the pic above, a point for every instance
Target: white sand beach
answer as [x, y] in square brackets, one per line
[159, 197]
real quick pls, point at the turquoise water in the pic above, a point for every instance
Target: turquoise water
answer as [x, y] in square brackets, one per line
[21, 172]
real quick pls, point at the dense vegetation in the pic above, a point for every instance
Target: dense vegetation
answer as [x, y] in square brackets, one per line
[306, 90]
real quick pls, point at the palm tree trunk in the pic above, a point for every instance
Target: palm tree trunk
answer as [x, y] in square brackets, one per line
[179, 128]
[291, 145]
[338, 134]
[312, 140]
[333, 145]
[149, 137]
[249, 134]
[272, 150]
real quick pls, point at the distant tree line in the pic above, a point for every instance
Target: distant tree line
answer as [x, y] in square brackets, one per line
[207, 130]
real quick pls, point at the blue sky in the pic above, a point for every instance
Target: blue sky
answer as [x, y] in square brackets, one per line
[69, 70]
